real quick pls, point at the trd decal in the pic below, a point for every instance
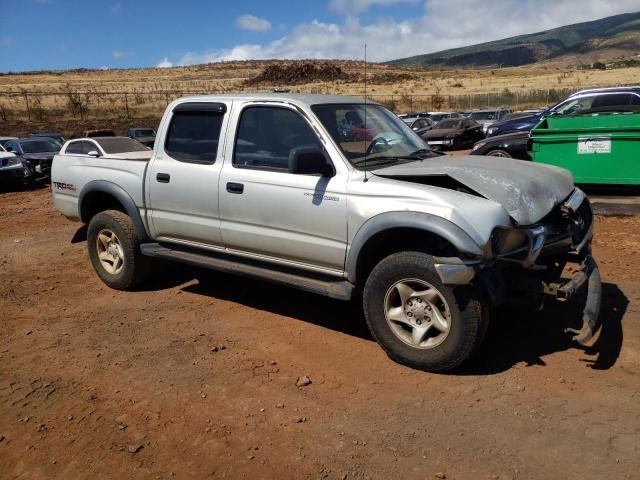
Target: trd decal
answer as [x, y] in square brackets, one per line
[64, 186]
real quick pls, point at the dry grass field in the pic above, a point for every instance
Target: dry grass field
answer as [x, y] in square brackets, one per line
[385, 80]
[73, 100]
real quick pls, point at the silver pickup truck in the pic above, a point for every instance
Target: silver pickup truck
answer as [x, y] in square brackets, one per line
[339, 197]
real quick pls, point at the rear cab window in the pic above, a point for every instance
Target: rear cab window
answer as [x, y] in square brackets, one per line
[194, 132]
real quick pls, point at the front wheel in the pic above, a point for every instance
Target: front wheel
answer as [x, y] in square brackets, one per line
[114, 250]
[416, 319]
[499, 153]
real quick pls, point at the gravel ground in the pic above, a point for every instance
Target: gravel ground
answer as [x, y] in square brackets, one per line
[198, 375]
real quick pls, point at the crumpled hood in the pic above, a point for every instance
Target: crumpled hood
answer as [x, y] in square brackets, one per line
[527, 190]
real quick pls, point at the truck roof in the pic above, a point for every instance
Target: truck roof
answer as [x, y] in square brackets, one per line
[306, 99]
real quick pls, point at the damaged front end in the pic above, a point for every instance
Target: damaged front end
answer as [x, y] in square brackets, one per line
[530, 261]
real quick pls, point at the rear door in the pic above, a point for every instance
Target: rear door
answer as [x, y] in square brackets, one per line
[182, 181]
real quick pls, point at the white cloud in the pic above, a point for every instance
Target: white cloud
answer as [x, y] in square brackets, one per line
[253, 23]
[444, 24]
[104, 67]
[117, 54]
[165, 63]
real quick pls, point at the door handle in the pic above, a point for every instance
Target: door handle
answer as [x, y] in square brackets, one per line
[163, 177]
[235, 187]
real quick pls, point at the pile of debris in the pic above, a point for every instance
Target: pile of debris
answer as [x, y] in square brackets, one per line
[298, 74]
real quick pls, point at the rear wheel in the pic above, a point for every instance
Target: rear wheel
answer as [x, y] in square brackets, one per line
[114, 250]
[416, 319]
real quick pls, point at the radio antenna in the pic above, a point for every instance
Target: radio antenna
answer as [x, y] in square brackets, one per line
[365, 114]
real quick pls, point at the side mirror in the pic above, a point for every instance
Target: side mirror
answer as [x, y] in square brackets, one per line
[310, 161]
[93, 153]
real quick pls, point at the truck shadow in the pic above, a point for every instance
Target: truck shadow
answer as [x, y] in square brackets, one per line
[514, 337]
[527, 337]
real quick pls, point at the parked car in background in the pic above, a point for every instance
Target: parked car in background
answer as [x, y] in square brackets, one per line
[522, 113]
[509, 145]
[437, 116]
[489, 116]
[146, 136]
[35, 155]
[12, 170]
[4, 140]
[56, 136]
[419, 125]
[99, 132]
[112, 147]
[414, 115]
[613, 99]
[454, 134]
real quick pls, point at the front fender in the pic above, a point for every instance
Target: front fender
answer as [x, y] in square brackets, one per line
[120, 195]
[439, 226]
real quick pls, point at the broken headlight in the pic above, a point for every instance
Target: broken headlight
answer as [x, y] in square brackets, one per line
[518, 245]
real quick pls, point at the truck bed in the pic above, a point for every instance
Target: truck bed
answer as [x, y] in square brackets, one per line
[70, 173]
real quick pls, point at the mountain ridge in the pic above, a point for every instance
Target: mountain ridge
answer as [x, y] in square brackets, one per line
[609, 37]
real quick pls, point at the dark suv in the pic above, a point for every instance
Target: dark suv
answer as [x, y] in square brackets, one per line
[614, 99]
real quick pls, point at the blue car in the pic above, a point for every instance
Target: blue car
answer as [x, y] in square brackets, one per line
[614, 99]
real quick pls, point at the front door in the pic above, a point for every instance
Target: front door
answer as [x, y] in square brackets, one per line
[267, 211]
[182, 182]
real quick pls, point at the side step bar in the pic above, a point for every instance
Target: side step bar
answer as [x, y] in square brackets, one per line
[329, 287]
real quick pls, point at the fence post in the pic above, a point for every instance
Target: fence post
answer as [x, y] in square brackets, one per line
[126, 104]
[26, 100]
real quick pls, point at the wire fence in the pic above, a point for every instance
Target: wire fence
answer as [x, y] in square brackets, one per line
[46, 106]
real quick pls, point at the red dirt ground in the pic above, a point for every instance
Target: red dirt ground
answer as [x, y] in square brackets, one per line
[96, 383]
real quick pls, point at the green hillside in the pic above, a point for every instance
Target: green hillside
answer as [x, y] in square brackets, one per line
[619, 34]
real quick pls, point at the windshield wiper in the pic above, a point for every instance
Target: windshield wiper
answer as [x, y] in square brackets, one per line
[420, 154]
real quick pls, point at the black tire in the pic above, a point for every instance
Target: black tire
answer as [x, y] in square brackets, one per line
[499, 153]
[467, 320]
[134, 266]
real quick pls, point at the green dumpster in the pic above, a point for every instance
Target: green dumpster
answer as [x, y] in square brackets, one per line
[599, 148]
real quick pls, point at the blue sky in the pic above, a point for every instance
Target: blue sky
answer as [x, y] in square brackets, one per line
[61, 34]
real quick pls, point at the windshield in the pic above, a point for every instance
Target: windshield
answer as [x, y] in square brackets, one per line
[147, 132]
[447, 124]
[112, 145]
[374, 135]
[483, 115]
[40, 146]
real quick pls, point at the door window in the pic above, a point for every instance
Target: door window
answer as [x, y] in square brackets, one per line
[266, 136]
[193, 136]
[74, 148]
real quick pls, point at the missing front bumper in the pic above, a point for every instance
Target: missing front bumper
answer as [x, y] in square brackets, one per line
[589, 276]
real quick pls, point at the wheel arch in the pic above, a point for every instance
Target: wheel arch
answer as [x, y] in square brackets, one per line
[396, 231]
[100, 195]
